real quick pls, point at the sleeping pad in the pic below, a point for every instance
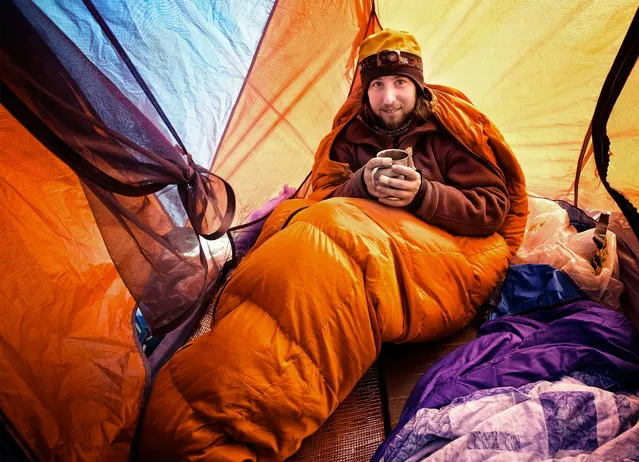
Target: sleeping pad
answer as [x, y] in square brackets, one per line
[301, 320]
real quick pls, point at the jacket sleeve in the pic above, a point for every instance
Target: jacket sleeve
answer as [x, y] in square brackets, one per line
[473, 202]
[343, 151]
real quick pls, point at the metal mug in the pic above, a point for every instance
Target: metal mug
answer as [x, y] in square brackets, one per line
[399, 156]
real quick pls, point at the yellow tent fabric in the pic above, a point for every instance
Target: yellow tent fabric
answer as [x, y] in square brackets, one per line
[300, 78]
[536, 68]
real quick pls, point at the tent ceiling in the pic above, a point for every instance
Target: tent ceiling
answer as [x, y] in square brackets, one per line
[299, 80]
[194, 55]
[535, 68]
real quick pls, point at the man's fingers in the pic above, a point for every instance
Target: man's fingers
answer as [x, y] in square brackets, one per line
[396, 183]
[378, 194]
[408, 172]
[379, 162]
[391, 182]
[384, 191]
[373, 172]
[394, 202]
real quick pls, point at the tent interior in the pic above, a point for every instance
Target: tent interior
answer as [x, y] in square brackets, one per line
[141, 141]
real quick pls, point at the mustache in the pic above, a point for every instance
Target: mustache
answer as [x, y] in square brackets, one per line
[390, 107]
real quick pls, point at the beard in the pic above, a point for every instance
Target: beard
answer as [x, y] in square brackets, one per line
[391, 123]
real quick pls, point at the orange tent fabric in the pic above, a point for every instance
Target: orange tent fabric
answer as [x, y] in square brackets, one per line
[71, 373]
[299, 79]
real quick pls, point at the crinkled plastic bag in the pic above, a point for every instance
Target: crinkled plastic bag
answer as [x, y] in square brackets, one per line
[605, 287]
[546, 227]
[550, 239]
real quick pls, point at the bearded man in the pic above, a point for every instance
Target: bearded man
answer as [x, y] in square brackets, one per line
[445, 185]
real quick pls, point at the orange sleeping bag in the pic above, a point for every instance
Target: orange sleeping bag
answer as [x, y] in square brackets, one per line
[301, 320]
[305, 313]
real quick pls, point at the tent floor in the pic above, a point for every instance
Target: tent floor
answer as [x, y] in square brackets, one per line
[354, 431]
[359, 425]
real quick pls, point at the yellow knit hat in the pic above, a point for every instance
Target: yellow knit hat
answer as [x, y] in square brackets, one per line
[391, 52]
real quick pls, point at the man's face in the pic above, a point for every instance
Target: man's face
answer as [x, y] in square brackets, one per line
[392, 99]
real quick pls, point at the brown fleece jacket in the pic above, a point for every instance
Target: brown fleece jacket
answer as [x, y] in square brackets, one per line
[460, 192]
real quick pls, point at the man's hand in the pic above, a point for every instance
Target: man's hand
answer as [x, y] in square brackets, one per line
[373, 167]
[398, 192]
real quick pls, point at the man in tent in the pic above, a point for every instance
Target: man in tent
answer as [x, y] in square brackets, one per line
[328, 281]
[447, 185]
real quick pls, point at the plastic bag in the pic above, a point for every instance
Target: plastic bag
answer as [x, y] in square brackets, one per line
[550, 239]
[605, 287]
[547, 226]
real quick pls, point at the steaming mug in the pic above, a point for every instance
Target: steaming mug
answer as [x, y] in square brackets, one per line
[399, 156]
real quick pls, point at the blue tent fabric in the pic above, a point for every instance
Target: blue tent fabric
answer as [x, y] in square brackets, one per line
[194, 55]
[529, 287]
[581, 337]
